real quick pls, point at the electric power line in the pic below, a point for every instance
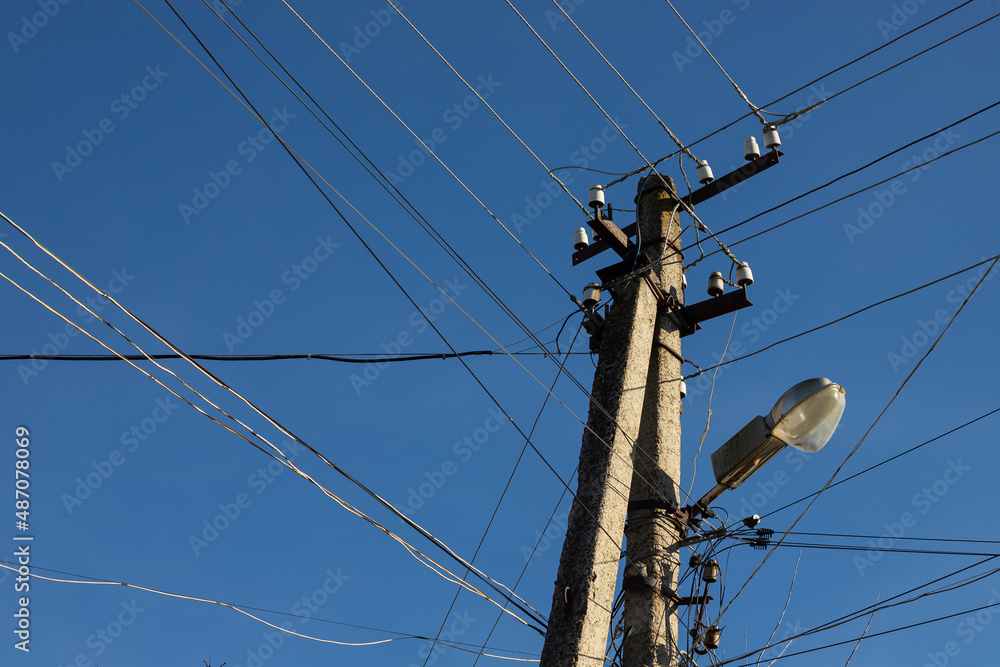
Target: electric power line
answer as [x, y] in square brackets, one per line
[627, 175]
[843, 317]
[864, 437]
[891, 458]
[300, 162]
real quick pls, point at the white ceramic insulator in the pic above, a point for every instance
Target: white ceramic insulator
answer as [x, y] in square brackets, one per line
[715, 284]
[580, 240]
[596, 197]
[751, 150]
[591, 295]
[744, 276]
[705, 175]
[684, 389]
[771, 138]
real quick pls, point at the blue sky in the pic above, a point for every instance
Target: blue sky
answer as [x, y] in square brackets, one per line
[131, 163]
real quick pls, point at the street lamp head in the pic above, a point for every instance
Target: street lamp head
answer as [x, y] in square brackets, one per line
[804, 417]
[807, 414]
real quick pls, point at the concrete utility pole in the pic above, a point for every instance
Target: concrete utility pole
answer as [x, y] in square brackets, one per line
[652, 534]
[628, 384]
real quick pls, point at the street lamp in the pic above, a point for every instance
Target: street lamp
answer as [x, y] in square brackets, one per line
[804, 417]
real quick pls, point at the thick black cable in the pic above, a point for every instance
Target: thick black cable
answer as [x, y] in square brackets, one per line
[879, 537]
[878, 549]
[370, 167]
[362, 359]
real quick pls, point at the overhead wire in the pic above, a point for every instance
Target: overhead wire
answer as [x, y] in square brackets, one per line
[246, 103]
[496, 509]
[431, 152]
[816, 189]
[487, 105]
[527, 562]
[687, 207]
[817, 209]
[369, 166]
[884, 461]
[753, 108]
[362, 358]
[884, 605]
[864, 437]
[242, 609]
[283, 460]
[879, 549]
[902, 537]
[639, 170]
[680, 145]
[858, 169]
[301, 163]
[881, 302]
[865, 189]
[872, 635]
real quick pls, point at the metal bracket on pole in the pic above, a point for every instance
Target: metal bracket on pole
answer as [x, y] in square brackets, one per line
[732, 179]
[639, 580]
[692, 315]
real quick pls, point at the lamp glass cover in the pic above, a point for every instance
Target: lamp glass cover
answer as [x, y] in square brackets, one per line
[806, 415]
